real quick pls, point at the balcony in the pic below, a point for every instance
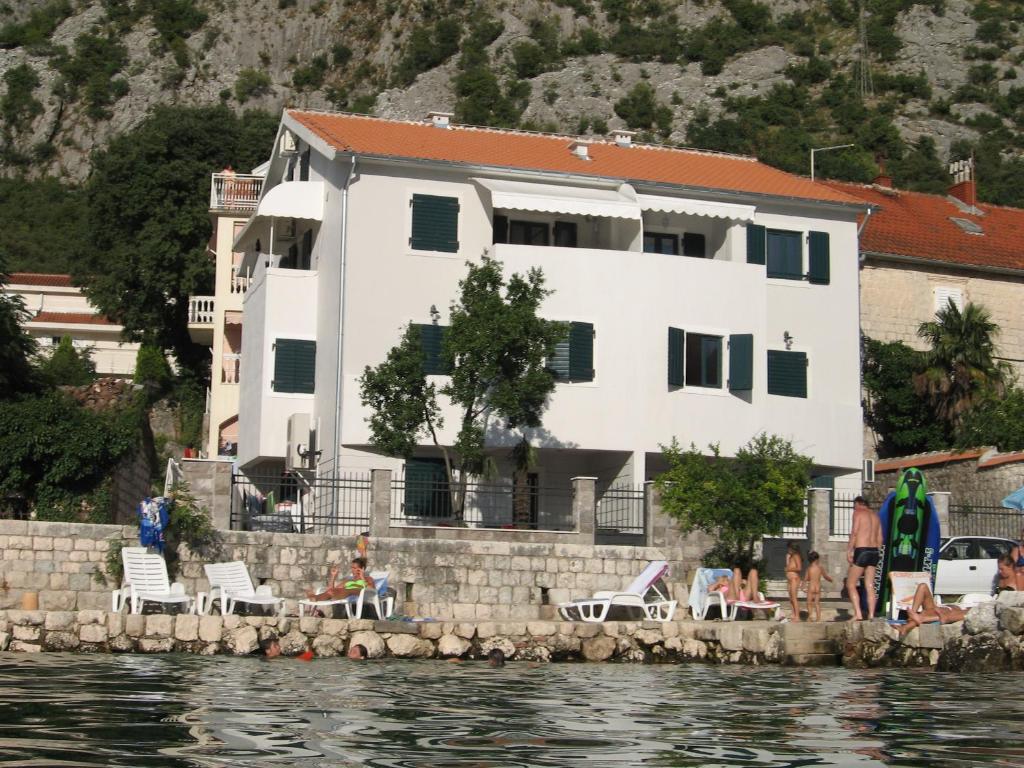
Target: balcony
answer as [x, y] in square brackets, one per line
[200, 318]
[235, 192]
[230, 367]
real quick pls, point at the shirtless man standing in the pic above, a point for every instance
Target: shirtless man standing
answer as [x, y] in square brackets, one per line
[863, 553]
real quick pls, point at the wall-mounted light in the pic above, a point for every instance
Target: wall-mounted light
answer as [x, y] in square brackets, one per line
[787, 339]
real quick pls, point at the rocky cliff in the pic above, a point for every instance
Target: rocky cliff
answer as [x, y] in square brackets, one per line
[75, 72]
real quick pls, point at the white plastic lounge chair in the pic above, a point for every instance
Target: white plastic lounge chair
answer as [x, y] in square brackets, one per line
[145, 579]
[903, 585]
[643, 593]
[701, 599]
[378, 597]
[230, 583]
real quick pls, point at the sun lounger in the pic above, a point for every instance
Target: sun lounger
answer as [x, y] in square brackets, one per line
[903, 586]
[145, 579]
[230, 583]
[378, 597]
[643, 594]
[702, 599]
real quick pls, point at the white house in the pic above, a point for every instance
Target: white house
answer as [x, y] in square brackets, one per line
[711, 297]
[57, 309]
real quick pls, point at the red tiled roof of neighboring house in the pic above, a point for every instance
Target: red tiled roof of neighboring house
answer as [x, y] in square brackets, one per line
[928, 459]
[920, 225]
[545, 152]
[1001, 458]
[40, 278]
[72, 318]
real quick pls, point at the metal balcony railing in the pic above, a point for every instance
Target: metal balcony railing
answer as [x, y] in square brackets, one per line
[235, 191]
[200, 310]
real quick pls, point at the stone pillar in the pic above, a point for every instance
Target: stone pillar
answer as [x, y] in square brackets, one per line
[941, 500]
[653, 516]
[380, 502]
[818, 519]
[584, 508]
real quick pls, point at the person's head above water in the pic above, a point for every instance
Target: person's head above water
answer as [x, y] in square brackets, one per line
[271, 647]
[496, 658]
[356, 652]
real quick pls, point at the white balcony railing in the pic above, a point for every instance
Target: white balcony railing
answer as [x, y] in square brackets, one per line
[235, 191]
[230, 366]
[200, 310]
[239, 281]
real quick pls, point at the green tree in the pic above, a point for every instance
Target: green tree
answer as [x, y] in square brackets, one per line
[997, 421]
[18, 106]
[16, 346]
[68, 366]
[902, 418]
[641, 110]
[495, 348]
[149, 223]
[737, 501]
[42, 224]
[961, 368]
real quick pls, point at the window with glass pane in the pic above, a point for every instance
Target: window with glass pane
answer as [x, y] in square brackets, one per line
[703, 360]
[527, 233]
[659, 242]
[785, 255]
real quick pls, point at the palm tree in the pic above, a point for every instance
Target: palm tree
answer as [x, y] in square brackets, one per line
[961, 367]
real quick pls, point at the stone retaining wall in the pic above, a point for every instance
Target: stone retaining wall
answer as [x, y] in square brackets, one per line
[756, 642]
[990, 639]
[440, 578]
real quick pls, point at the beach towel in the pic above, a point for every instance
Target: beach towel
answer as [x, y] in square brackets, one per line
[154, 514]
[702, 579]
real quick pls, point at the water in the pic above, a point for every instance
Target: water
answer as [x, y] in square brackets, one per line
[176, 710]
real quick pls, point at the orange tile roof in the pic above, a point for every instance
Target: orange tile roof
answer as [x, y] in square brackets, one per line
[918, 225]
[72, 318]
[39, 278]
[364, 135]
[928, 459]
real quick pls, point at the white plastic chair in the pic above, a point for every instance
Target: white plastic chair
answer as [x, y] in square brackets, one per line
[231, 584]
[382, 602]
[145, 579]
[643, 593]
[702, 599]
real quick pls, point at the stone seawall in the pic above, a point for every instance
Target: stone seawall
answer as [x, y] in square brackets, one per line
[989, 639]
[753, 642]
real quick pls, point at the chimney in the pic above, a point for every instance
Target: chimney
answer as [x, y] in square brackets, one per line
[440, 119]
[883, 179]
[580, 149]
[623, 138]
[965, 191]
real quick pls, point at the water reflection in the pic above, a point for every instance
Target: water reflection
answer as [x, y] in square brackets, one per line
[64, 710]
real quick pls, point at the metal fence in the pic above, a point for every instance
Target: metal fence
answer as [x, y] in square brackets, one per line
[621, 514]
[841, 513]
[417, 502]
[291, 502]
[967, 519]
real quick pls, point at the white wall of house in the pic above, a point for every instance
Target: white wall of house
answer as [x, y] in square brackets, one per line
[631, 297]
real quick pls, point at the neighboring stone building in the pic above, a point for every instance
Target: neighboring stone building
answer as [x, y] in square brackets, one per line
[919, 251]
[60, 309]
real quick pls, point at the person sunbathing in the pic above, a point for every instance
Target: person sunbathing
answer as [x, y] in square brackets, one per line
[360, 580]
[924, 610]
[738, 588]
[1008, 579]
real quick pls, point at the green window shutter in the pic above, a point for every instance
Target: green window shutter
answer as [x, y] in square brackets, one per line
[676, 355]
[432, 343]
[435, 223]
[819, 258]
[741, 362]
[755, 244]
[581, 351]
[294, 366]
[787, 373]
[426, 489]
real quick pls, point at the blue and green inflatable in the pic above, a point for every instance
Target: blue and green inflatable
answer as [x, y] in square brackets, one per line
[910, 532]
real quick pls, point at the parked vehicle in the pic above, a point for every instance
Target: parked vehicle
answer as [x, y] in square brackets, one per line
[968, 564]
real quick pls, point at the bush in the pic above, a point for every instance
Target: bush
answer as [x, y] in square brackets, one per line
[90, 71]
[151, 369]
[312, 75]
[37, 29]
[995, 421]
[427, 48]
[66, 366]
[18, 106]
[251, 83]
[641, 110]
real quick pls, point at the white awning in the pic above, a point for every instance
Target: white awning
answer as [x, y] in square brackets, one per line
[294, 200]
[691, 207]
[549, 198]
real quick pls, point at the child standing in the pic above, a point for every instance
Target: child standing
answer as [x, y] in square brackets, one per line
[815, 573]
[794, 575]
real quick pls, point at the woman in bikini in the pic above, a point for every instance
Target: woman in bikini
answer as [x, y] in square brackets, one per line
[924, 610]
[360, 580]
[794, 575]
